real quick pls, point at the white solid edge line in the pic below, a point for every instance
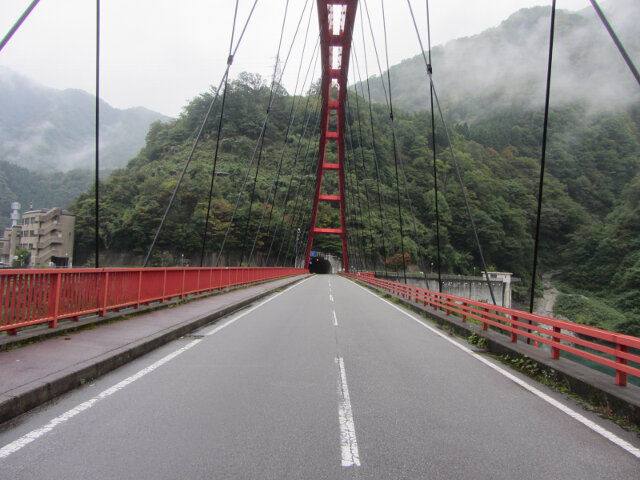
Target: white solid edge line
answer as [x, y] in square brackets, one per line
[335, 318]
[25, 440]
[216, 329]
[527, 386]
[348, 441]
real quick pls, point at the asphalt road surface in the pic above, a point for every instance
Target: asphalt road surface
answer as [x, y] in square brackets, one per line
[323, 380]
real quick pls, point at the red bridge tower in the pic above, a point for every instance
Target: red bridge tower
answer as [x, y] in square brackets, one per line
[336, 27]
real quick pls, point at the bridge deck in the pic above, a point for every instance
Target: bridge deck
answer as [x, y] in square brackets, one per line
[324, 380]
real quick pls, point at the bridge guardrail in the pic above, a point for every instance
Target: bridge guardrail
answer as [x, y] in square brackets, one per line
[546, 330]
[30, 297]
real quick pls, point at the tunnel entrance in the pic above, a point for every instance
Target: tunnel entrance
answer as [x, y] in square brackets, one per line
[319, 265]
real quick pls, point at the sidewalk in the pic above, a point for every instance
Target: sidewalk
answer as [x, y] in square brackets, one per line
[36, 373]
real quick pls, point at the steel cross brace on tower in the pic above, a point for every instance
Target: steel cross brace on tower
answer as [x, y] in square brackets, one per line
[336, 25]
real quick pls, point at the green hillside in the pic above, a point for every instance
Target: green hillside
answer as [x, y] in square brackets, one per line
[590, 217]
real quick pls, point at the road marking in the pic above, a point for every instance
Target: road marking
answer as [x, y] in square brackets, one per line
[335, 319]
[25, 440]
[527, 386]
[217, 328]
[331, 297]
[348, 441]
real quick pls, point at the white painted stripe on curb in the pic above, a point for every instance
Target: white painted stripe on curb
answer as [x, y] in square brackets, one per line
[527, 386]
[25, 440]
[348, 441]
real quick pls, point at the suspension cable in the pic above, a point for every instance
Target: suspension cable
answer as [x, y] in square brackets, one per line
[292, 116]
[542, 159]
[97, 172]
[303, 182]
[456, 166]
[617, 41]
[373, 141]
[394, 140]
[308, 116]
[354, 193]
[365, 176]
[199, 135]
[307, 190]
[433, 141]
[18, 24]
[259, 142]
[355, 173]
[215, 156]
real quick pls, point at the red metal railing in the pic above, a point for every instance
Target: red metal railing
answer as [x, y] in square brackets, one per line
[515, 323]
[31, 297]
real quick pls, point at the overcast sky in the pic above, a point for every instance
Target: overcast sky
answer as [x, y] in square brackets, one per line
[161, 53]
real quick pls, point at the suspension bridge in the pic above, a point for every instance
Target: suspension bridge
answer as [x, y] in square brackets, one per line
[272, 372]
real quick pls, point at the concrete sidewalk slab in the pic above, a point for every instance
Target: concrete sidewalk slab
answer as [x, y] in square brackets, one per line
[38, 372]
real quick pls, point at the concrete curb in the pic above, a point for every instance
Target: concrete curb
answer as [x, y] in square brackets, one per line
[595, 388]
[36, 393]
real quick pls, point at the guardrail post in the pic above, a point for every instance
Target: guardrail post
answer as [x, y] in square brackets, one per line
[485, 325]
[164, 286]
[464, 309]
[103, 294]
[184, 273]
[621, 377]
[137, 306]
[514, 335]
[555, 351]
[55, 291]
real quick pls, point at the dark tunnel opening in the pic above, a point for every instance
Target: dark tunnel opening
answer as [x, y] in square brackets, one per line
[319, 265]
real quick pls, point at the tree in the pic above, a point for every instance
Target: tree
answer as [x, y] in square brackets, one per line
[21, 258]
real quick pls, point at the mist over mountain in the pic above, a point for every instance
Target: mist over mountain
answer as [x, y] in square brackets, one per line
[48, 130]
[506, 66]
[39, 190]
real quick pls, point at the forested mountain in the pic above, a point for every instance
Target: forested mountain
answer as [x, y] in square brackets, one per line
[506, 66]
[39, 190]
[590, 218]
[586, 174]
[50, 130]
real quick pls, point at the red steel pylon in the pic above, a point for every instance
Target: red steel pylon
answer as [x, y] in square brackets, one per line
[336, 27]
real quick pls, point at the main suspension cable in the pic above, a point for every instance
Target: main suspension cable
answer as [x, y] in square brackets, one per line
[364, 174]
[292, 116]
[542, 160]
[354, 190]
[18, 24]
[97, 167]
[284, 209]
[433, 139]
[373, 141]
[616, 40]
[199, 135]
[215, 156]
[303, 182]
[259, 144]
[455, 164]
